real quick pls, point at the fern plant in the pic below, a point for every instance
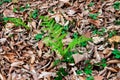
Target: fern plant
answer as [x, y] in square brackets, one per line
[55, 36]
[16, 21]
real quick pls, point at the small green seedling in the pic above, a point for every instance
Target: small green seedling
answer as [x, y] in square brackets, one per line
[116, 53]
[38, 37]
[88, 67]
[4, 1]
[117, 22]
[116, 5]
[91, 4]
[61, 73]
[16, 21]
[94, 16]
[90, 78]
[35, 14]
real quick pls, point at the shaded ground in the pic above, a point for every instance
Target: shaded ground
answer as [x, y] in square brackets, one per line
[30, 49]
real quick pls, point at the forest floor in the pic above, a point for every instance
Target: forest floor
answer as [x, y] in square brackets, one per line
[59, 40]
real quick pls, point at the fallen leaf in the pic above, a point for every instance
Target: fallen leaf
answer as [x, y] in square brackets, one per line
[65, 1]
[40, 44]
[95, 22]
[114, 39]
[15, 1]
[8, 13]
[98, 77]
[78, 57]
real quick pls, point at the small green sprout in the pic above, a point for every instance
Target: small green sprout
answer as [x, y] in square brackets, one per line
[4, 1]
[56, 62]
[38, 37]
[116, 53]
[90, 78]
[61, 73]
[94, 16]
[88, 67]
[116, 5]
[111, 33]
[35, 14]
[117, 22]
[91, 4]
[79, 72]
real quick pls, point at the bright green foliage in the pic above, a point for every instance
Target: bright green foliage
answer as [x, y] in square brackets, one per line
[79, 72]
[94, 16]
[117, 22]
[68, 57]
[16, 21]
[116, 5]
[56, 35]
[112, 33]
[90, 78]
[116, 53]
[100, 32]
[88, 67]
[102, 63]
[3, 1]
[38, 36]
[91, 4]
[56, 62]
[60, 74]
[34, 14]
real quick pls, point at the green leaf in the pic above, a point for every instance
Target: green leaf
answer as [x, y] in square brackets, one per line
[38, 37]
[91, 4]
[116, 53]
[90, 78]
[116, 5]
[94, 16]
[79, 72]
[16, 21]
[56, 62]
[35, 14]
[117, 22]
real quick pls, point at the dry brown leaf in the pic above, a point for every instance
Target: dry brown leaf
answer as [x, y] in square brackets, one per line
[40, 44]
[8, 13]
[107, 51]
[114, 39]
[78, 57]
[9, 25]
[113, 61]
[65, 1]
[111, 69]
[98, 77]
[95, 22]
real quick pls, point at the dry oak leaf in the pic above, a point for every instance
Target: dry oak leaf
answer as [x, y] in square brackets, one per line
[98, 77]
[114, 39]
[95, 22]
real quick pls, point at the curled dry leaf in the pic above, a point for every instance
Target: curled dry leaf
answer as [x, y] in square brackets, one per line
[16, 64]
[95, 22]
[2, 77]
[113, 61]
[111, 69]
[114, 39]
[107, 51]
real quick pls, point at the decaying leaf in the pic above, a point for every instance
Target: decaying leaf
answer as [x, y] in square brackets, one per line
[95, 22]
[114, 39]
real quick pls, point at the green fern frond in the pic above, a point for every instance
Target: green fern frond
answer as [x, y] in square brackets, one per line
[55, 36]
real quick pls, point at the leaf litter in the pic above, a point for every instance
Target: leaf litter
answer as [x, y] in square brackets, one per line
[31, 44]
